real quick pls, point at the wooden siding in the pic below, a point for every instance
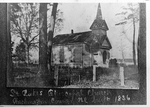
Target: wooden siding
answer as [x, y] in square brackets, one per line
[68, 55]
[76, 55]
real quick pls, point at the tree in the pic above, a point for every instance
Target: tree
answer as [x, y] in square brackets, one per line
[43, 38]
[24, 24]
[3, 52]
[58, 21]
[51, 32]
[142, 98]
[131, 15]
[10, 79]
[54, 25]
[20, 52]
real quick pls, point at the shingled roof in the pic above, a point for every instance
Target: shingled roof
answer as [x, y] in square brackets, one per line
[71, 38]
[99, 24]
[81, 37]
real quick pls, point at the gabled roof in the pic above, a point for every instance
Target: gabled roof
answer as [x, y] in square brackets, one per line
[96, 39]
[110, 47]
[99, 24]
[81, 37]
[71, 38]
[101, 40]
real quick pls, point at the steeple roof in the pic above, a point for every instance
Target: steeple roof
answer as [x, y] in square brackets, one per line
[99, 12]
[99, 23]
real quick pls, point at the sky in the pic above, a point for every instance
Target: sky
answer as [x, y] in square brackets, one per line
[80, 16]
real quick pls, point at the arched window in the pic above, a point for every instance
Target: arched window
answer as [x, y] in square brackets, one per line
[104, 57]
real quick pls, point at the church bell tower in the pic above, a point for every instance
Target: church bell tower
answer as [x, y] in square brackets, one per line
[99, 26]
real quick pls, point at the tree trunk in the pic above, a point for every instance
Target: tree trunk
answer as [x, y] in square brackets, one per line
[28, 55]
[3, 54]
[10, 78]
[142, 55]
[43, 38]
[51, 33]
[134, 50]
[122, 52]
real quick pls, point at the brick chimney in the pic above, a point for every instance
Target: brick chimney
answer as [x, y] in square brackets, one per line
[71, 31]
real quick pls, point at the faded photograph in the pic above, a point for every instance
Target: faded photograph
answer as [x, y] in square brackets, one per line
[74, 45]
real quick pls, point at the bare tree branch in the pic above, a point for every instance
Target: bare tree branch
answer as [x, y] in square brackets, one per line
[33, 38]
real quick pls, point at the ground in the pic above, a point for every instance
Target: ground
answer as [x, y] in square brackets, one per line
[111, 80]
[108, 78]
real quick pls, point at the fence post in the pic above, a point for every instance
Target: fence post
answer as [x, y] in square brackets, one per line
[122, 75]
[56, 75]
[94, 72]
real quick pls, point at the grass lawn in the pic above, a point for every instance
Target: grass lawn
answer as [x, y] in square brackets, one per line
[105, 78]
[110, 78]
[29, 77]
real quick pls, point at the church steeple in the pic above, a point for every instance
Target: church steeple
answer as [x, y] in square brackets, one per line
[99, 12]
[99, 23]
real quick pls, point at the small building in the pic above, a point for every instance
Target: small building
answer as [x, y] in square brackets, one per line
[83, 49]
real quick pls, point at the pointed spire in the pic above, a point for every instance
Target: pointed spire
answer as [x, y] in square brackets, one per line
[99, 12]
[99, 23]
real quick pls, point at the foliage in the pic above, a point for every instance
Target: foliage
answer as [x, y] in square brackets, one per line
[58, 22]
[12, 46]
[20, 52]
[24, 24]
[130, 12]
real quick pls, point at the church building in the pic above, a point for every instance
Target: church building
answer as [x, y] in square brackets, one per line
[83, 49]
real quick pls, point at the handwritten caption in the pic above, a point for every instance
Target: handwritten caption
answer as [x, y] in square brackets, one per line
[62, 96]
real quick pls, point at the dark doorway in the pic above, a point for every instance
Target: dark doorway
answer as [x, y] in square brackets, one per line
[104, 57]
